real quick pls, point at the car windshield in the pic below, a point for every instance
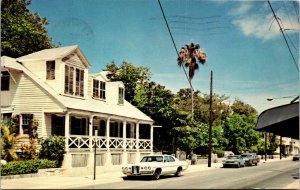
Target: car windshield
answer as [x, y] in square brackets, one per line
[152, 159]
[233, 157]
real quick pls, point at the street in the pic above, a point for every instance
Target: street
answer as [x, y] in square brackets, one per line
[266, 175]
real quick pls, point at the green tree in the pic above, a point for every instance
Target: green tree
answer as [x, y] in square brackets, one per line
[131, 76]
[22, 32]
[240, 107]
[158, 103]
[240, 132]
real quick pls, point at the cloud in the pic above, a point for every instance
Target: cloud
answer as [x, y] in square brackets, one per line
[242, 9]
[262, 26]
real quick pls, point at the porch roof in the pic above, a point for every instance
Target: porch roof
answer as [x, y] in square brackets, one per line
[89, 104]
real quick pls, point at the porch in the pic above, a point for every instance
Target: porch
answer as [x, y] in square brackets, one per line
[115, 140]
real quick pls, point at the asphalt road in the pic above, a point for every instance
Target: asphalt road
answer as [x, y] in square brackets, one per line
[272, 175]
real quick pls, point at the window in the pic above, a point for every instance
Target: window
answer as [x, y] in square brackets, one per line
[4, 81]
[70, 71]
[121, 95]
[26, 122]
[102, 90]
[50, 70]
[95, 88]
[79, 82]
[99, 89]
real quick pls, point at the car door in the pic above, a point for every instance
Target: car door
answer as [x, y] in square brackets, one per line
[173, 164]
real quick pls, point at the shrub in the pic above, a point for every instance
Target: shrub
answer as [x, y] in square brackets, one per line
[28, 151]
[53, 148]
[26, 167]
[219, 152]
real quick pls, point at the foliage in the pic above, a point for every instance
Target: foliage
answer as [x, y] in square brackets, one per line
[8, 141]
[29, 151]
[158, 103]
[189, 55]
[242, 108]
[240, 132]
[53, 148]
[33, 129]
[191, 134]
[26, 167]
[219, 152]
[130, 75]
[22, 32]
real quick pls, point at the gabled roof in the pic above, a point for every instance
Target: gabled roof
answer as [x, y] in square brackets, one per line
[91, 105]
[54, 53]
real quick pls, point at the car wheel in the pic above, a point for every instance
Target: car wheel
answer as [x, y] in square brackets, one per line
[256, 164]
[178, 172]
[156, 174]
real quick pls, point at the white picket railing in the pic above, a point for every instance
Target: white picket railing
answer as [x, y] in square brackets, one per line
[84, 143]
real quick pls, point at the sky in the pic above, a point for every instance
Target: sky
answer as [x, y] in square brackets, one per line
[246, 51]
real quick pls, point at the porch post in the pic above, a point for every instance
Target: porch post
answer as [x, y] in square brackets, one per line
[107, 134]
[91, 132]
[107, 153]
[151, 137]
[137, 136]
[67, 162]
[67, 130]
[124, 159]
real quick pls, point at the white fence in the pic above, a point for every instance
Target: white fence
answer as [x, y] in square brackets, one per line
[87, 143]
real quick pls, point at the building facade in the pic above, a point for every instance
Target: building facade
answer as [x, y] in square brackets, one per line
[54, 87]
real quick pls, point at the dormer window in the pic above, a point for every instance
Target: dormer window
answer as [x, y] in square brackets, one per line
[50, 70]
[121, 95]
[74, 77]
[99, 88]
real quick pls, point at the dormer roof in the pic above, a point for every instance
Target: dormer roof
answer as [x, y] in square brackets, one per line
[55, 53]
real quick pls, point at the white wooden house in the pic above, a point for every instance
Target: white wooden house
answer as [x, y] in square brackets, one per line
[54, 87]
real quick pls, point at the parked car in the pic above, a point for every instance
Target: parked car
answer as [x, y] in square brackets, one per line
[234, 161]
[251, 159]
[156, 165]
[296, 157]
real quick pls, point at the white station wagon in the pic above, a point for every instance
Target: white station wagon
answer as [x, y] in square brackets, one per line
[156, 166]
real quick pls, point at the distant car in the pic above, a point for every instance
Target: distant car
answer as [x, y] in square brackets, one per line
[251, 159]
[296, 157]
[156, 166]
[234, 161]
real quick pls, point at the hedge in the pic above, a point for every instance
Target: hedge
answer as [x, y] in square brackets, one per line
[26, 167]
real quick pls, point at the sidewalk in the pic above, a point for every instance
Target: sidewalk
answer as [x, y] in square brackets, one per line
[63, 182]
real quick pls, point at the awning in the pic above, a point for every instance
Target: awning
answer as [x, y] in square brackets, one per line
[281, 120]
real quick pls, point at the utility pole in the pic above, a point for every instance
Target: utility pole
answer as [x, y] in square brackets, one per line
[210, 118]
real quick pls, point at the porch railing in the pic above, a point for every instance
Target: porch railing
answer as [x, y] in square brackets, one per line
[87, 143]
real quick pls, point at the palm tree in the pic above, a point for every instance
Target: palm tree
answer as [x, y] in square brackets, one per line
[189, 55]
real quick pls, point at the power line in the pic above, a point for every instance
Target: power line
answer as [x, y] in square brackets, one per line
[173, 41]
[281, 30]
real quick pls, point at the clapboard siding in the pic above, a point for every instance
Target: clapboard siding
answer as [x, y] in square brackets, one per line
[28, 97]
